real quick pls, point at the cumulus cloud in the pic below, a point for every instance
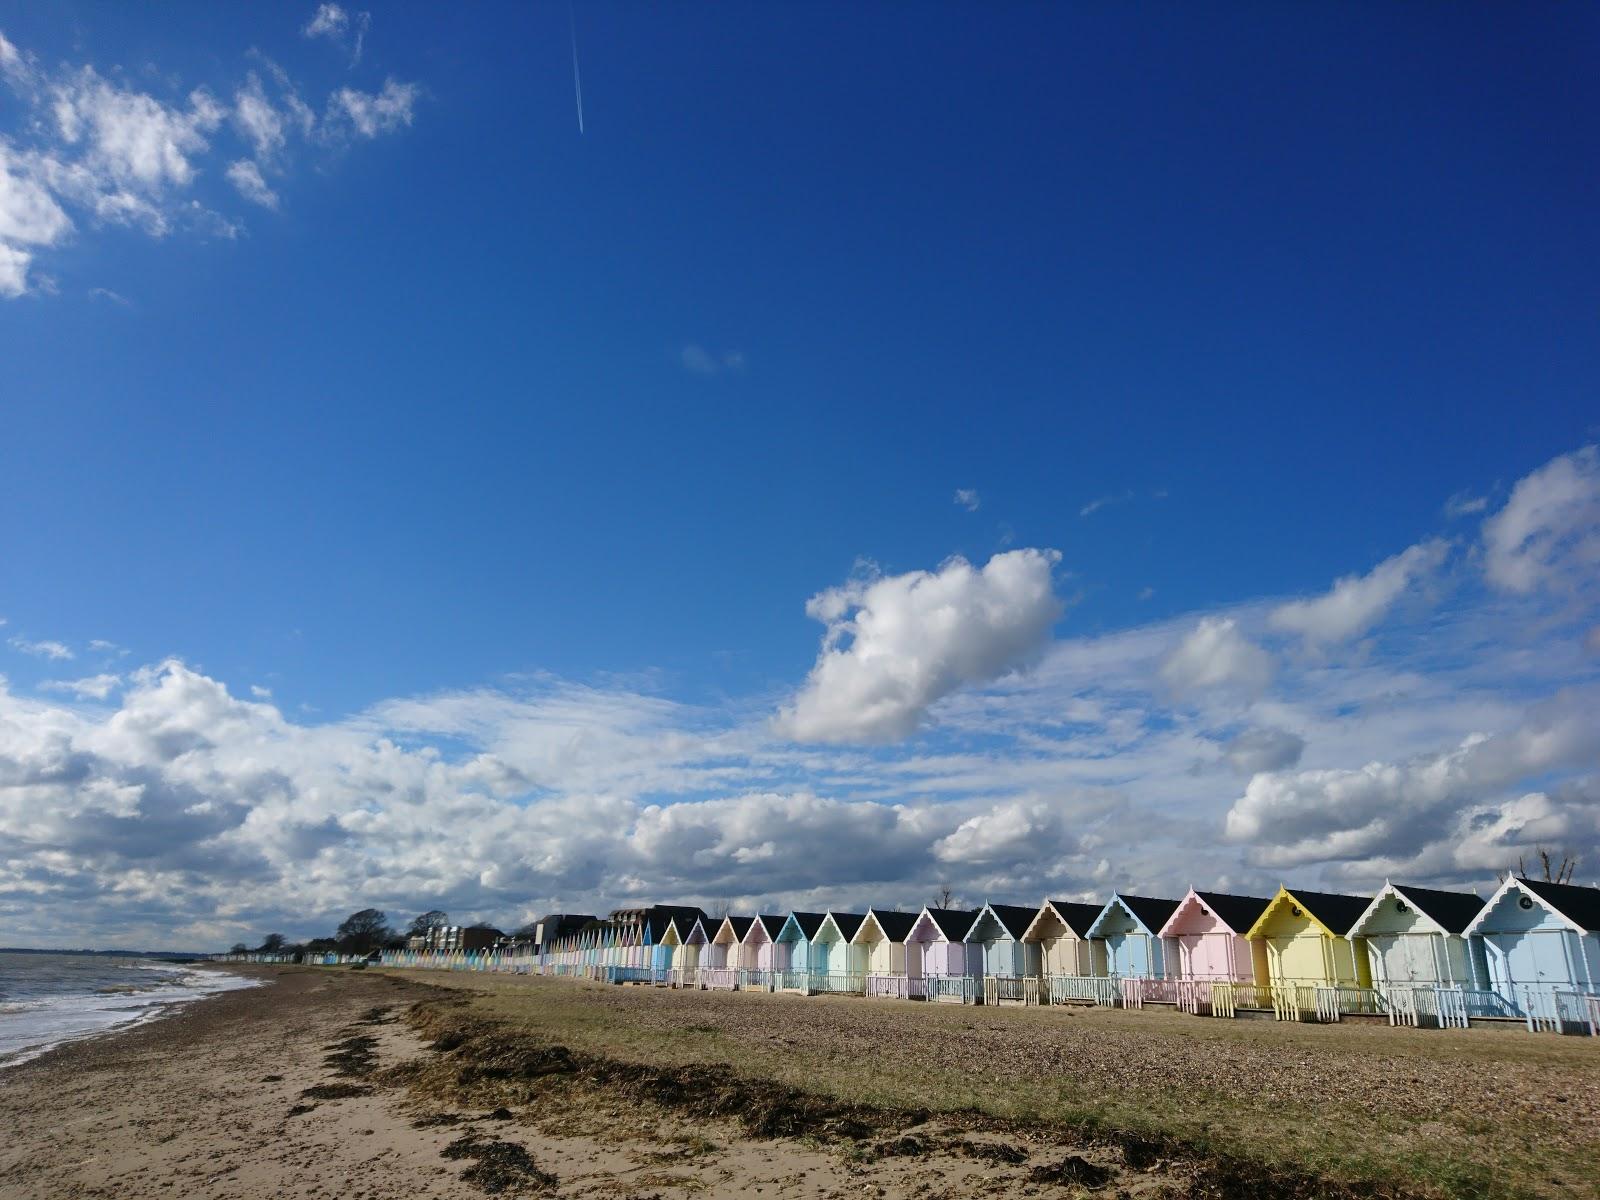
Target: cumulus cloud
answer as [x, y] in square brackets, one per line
[896, 644]
[88, 149]
[1547, 537]
[42, 649]
[1358, 602]
[1257, 750]
[1217, 655]
[968, 499]
[1393, 808]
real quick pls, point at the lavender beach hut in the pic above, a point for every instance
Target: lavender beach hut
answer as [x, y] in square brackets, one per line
[755, 956]
[936, 953]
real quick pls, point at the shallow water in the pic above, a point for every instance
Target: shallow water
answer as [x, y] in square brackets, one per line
[47, 999]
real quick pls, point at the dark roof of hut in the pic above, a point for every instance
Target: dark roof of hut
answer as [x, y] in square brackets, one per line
[953, 922]
[1238, 913]
[1151, 913]
[1077, 916]
[1337, 912]
[847, 923]
[809, 922]
[772, 923]
[1013, 918]
[896, 926]
[1453, 910]
[1580, 904]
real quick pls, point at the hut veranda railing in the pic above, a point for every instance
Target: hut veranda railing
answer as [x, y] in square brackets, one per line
[1138, 991]
[719, 978]
[897, 987]
[1083, 989]
[1011, 989]
[950, 988]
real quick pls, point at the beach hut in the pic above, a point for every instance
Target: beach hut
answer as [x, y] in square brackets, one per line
[719, 967]
[1541, 950]
[936, 953]
[1312, 967]
[1418, 954]
[1124, 941]
[997, 955]
[882, 940]
[1213, 967]
[835, 964]
[755, 956]
[791, 950]
[1060, 930]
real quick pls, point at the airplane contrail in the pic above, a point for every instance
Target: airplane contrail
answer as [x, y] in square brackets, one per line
[577, 84]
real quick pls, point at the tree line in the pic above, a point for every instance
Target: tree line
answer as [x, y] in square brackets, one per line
[362, 932]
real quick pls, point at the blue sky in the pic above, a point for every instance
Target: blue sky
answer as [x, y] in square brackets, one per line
[367, 410]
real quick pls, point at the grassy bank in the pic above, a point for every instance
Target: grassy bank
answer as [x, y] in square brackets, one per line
[1475, 1113]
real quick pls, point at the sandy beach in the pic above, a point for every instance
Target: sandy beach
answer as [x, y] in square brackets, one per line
[377, 1085]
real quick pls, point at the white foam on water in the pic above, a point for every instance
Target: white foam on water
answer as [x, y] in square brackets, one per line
[29, 1027]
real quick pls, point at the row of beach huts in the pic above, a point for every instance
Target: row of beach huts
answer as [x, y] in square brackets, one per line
[1411, 956]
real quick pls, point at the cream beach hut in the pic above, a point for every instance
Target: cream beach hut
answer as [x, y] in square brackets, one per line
[719, 966]
[936, 953]
[882, 938]
[1060, 930]
[688, 947]
[755, 955]
[1421, 961]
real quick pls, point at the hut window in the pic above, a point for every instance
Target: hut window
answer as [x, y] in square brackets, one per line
[1294, 911]
[1400, 906]
[1526, 902]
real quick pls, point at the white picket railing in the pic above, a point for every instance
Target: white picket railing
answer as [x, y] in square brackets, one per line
[1137, 992]
[950, 988]
[719, 978]
[1010, 989]
[1083, 989]
[897, 987]
[836, 983]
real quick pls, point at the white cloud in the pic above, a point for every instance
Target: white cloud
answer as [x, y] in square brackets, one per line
[1548, 534]
[968, 499]
[1464, 504]
[1217, 655]
[246, 176]
[372, 113]
[87, 145]
[260, 693]
[95, 687]
[1257, 750]
[1390, 808]
[1095, 505]
[329, 21]
[1358, 602]
[896, 644]
[45, 649]
[700, 361]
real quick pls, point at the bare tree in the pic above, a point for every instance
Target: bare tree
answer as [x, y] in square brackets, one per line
[945, 897]
[1552, 873]
[721, 908]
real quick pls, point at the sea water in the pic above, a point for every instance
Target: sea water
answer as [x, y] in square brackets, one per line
[47, 999]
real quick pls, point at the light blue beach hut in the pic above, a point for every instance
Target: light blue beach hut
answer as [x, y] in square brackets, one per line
[791, 949]
[998, 956]
[1541, 948]
[1125, 939]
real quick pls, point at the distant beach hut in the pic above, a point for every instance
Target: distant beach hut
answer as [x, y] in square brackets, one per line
[936, 953]
[791, 951]
[1125, 945]
[1312, 967]
[836, 965]
[690, 943]
[882, 939]
[1214, 967]
[755, 955]
[1541, 948]
[999, 958]
[719, 967]
[1060, 930]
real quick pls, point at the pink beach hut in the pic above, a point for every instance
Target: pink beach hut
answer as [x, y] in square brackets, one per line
[1206, 947]
[755, 953]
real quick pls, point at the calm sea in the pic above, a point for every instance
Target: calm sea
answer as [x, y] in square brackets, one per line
[47, 999]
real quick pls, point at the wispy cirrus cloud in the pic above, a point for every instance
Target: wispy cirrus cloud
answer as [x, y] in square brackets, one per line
[84, 150]
[58, 651]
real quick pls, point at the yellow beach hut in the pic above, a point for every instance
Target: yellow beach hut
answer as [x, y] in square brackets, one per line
[1314, 969]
